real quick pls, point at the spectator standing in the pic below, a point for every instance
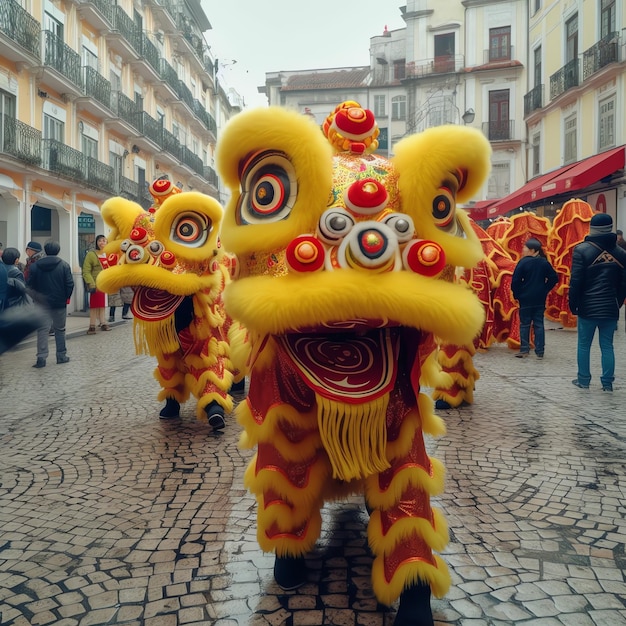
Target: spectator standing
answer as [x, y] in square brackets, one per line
[621, 242]
[596, 292]
[34, 252]
[115, 301]
[533, 279]
[95, 261]
[51, 279]
[127, 294]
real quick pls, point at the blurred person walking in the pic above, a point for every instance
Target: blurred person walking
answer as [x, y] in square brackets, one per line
[597, 291]
[95, 261]
[51, 280]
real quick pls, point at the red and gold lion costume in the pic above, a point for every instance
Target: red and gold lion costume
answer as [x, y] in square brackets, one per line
[347, 263]
[172, 257]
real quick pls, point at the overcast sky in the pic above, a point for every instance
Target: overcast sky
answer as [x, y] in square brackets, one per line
[273, 35]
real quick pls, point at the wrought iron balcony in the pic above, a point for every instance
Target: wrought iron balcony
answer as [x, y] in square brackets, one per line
[564, 79]
[20, 141]
[63, 160]
[204, 116]
[62, 58]
[149, 127]
[499, 130]
[128, 188]
[127, 28]
[20, 27]
[97, 87]
[105, 7]
[171, 144]
[211, 176]
[168, 74]
[149, 52]
[533, 100]
[192, 160]
[99, 175]
[184, 93]
[600, 54]
[125, 108]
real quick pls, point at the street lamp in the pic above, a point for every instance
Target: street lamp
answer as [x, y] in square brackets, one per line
[468, 116]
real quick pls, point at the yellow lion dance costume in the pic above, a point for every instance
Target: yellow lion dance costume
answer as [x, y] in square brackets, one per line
[346, 275]
[172, 257]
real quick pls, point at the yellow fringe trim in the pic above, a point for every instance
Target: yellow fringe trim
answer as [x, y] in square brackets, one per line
[354, 436]
[407, 575]
[155, 338]
[432, 484]
[435, 536]
[291, 546]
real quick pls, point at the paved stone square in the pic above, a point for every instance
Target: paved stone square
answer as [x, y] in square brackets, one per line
[110, 516]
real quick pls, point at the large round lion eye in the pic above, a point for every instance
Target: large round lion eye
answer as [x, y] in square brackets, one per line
[269, 188]
[191, 229]
[443, 208]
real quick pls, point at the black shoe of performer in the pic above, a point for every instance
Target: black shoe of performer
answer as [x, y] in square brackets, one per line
[171, 409]
[290, 572]
[414, 609]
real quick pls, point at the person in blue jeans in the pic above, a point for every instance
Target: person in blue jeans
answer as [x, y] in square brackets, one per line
[597, 290]
[533, 278]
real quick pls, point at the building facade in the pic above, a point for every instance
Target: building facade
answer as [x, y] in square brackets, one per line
[98, 99]
[544, 80]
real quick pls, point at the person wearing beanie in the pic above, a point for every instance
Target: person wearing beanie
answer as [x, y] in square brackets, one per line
[52, 282]
[597, 290]
[532, 281]
[34, 252]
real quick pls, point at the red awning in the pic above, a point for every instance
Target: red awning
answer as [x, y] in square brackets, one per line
[568, 178]
[585, 173]
[478, 211]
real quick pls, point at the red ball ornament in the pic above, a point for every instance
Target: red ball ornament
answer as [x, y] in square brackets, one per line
[424, 257]
[139, 235]
[167, 258]
[305, 254]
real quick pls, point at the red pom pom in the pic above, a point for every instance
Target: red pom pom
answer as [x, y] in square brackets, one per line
[167, 258]
[139, 235]
[305, 254]
[424, 257]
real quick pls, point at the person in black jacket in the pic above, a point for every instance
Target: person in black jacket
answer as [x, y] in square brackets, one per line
[533, 278]
[51, 278]
[596, 292]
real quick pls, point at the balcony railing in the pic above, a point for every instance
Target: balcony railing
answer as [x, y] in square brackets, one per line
[97, 86]
[600, 54]
[62, 159]
[125, 108]
[150, 52]
[21, 141]
[127, 28]
[20, 27]
[128, 188]
[171, 144]
[62, 58]
[438, 65]
[495, 55]
[184, 93]
[99, 175]
[204, 116]
[564, 79]
[499, 130]
[106, 8]
[168, 73]
[192, 160]
[210, 175]
[149, 127]
[533, 100]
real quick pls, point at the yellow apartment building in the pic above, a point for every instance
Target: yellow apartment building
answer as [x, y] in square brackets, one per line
[97, 99]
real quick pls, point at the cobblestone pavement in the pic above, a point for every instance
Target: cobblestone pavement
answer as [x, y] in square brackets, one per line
[110, 516]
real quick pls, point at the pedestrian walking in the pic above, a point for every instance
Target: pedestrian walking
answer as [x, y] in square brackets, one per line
[95, 261]
[51, 280]
[532, 281]
[596, 292]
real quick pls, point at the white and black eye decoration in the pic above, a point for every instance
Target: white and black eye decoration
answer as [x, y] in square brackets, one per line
[191, 229]
[269, 188]
[155, 248]
[402, 225]
[444, 207]
[334, 225]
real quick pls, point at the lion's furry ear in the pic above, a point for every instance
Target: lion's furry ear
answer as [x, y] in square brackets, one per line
[119, 214]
